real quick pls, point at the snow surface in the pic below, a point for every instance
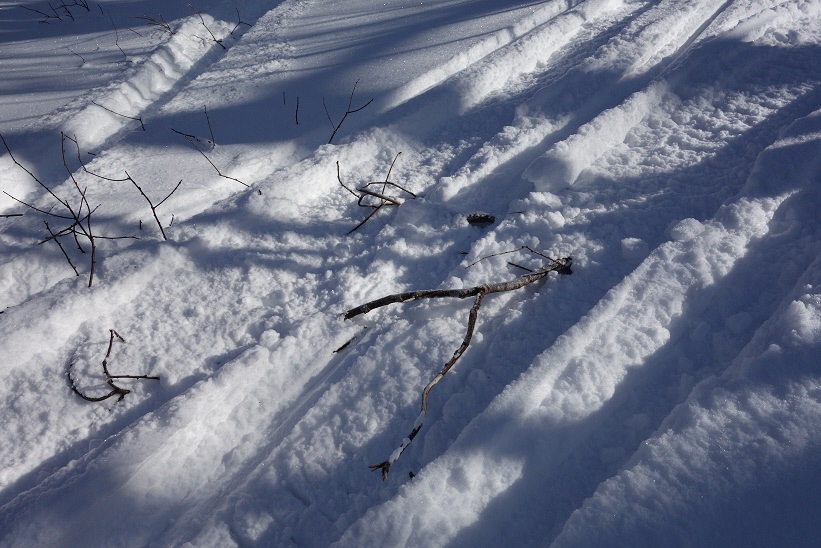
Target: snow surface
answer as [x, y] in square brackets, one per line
[668, 393]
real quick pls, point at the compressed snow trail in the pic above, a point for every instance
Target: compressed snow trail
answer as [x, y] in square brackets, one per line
[686, 139]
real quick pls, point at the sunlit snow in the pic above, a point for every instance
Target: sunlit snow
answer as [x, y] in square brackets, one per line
[667, 393]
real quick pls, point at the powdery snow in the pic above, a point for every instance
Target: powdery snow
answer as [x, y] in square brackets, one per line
[668, 392]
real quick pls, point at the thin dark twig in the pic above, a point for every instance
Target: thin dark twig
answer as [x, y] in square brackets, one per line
[348, 111]
[152, 205]
[239, 22]
[208, 119]
[155, 22]
[83, 165]
[47, 16]
[214, 38]
[57, 241]
[38, 210]
[117, 38]
[24, 168]
[138, 119]
[191, 139]
[77, 54]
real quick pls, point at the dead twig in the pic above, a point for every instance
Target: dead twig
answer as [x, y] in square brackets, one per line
[192, 140]
[158, 22]
[79, 215]
[562, 266]
[46, 15]
[239, 22]
[214, 38]
[109, 378]
[348, 111]
[138, 119]
[154, 206]
[117, 41]
[364, 192]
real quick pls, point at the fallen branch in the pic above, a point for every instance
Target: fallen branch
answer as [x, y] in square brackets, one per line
[348, 111]
[109, 378]
[562, 266]
[383, 200]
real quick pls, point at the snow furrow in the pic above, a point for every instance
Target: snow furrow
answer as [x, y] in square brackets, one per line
[666, 393]
[567, 384]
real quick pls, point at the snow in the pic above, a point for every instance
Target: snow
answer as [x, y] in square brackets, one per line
[667, 393]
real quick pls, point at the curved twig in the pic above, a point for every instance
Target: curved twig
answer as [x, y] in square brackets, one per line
[115, 390]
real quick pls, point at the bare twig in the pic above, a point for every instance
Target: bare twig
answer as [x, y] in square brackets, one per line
[109, 378]
[79, 215]
[138, 119]
[239, 22]
[154, 206]
[192, 141]
[208, 119]
[348, 111]
[561, 266]
[46, 15]
[77, 54]
[66, 10]
[57, 241]
[117, 40]
[8, 215]
[214, 38]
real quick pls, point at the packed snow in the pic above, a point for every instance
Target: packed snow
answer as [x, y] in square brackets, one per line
[667, 393]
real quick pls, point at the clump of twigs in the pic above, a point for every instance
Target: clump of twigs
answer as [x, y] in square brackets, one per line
[130, 179]
[479, 292]
[374, 199]
[62, 7]
[77, 214]
[157, 22]
[349, 110]
[109, 378]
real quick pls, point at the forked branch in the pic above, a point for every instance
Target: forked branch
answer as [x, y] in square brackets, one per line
[562, 266]
[152, 205]
[349, 110]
